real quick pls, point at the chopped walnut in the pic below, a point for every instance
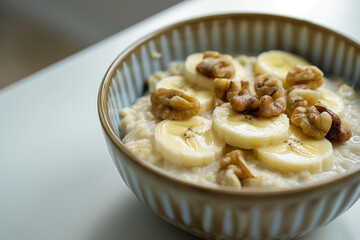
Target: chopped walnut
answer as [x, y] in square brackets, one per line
[271, 94]
[308, 76]
[244, 102]
[227, 177]
[234, 89]
[269, 100]
[271, 107]
[312, 122]
[300, 86]
[245, 85]
[301, 98]
[174, 105]
[225, 89]
[235, 161]
[213, 54]
[337, 132]
[267, 84]
[215, 65]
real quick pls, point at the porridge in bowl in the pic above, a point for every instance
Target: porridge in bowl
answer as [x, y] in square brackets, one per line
[268, 121]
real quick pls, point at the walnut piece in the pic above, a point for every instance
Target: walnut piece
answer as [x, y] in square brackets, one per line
[215, 65]
[227, 177]
[337, 132]
[269, 100]
[173, 105]
[312, 122]
[300, 86]
[299, 97]
[225, 89]
[245, 85]
[271, 107]
[308, 76]
[235, 160]
[267, 84]
[244, 102]
[271, 94]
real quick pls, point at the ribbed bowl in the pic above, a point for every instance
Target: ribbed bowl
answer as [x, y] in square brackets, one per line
[222, 213]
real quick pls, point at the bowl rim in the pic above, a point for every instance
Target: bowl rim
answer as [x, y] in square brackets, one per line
[251, 192]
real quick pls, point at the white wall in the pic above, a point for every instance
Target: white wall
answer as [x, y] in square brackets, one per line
[85, 21]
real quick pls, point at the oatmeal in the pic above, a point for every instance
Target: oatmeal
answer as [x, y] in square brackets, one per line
[267, 121]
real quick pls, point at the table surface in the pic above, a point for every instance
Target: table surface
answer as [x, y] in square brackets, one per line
[57, 180]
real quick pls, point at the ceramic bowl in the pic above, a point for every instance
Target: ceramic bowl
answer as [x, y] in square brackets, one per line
[216, 213]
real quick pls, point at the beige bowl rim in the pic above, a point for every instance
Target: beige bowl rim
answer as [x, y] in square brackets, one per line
[252, 192]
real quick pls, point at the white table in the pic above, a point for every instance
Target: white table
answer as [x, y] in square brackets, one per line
[57, 180]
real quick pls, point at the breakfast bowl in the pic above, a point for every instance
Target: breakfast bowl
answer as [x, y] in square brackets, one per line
[213, 212]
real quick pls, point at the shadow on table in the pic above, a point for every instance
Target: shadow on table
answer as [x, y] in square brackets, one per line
[337, 230]
[134, 221]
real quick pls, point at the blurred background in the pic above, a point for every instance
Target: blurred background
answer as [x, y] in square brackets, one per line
[37, 33]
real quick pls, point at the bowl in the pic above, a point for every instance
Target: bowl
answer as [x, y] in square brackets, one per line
[216, 213]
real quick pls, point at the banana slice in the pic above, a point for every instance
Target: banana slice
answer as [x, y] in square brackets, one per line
[278, 63]
[320, 96]
[206, 98]
[332, 101]
[298, 153]
[188, 143]
[193, 76]
[245, 131]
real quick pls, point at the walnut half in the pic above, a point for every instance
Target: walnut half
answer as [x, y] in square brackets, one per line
[174, 105]
[270, 107]
[305, 76]
[301, 98]
[215, 65]
[271, 94]
[267, 84]
[235, 160]
[269, 100]
[225, 89]
[244, 102]
[312, 122]
[337, 132]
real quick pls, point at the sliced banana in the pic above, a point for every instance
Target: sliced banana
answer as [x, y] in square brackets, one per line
[193, 76]
[206, 98]
[298, 153]
[320, 96]
[331, 101]
[245, 131]
[278, 63]
[189, 143]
